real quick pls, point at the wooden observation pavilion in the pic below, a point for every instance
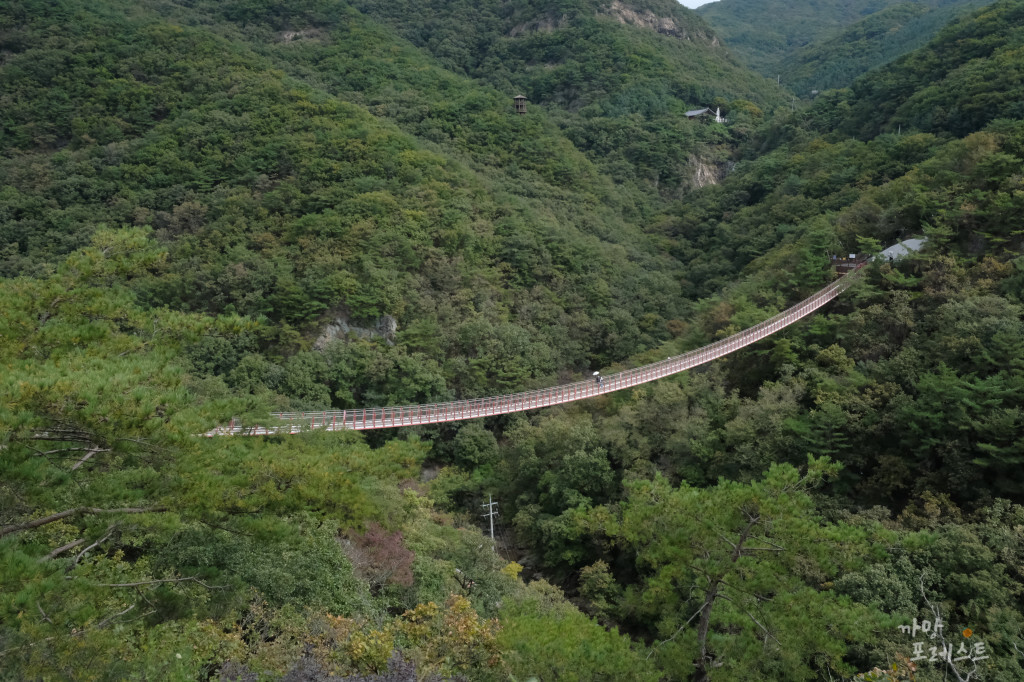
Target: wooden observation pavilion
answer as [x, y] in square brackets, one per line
[520, 101]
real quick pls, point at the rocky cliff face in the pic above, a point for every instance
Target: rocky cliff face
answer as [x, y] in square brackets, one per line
[624, 14]
[384, 327]
[705, 172]
[645, 18]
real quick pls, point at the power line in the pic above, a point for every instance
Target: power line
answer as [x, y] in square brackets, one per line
[506, 544]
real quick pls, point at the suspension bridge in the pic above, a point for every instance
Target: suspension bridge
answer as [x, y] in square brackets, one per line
[365, 419]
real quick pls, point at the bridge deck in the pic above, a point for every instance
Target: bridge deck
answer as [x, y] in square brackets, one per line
[362, 419]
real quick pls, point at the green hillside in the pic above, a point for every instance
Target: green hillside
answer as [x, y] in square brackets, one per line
[912, 385]
[285, 186]
[836, 60]
[762, 32]
[818, 45]
[637, 57]
[211, 210]
[615, 77]
[968, 76]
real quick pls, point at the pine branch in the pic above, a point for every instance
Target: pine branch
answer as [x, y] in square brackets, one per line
[35, 523]
[705, 660]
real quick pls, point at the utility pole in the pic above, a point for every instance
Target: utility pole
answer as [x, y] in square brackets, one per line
[491, 504]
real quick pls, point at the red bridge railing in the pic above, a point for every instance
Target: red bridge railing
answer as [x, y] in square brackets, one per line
[363, 419]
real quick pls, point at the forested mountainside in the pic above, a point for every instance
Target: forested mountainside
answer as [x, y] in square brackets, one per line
[836, 60]
[820, 45]
[971, 75]
[616, 77]
[348, 168]
[602, 57]
[211, 210]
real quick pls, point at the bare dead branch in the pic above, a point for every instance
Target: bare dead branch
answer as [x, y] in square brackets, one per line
[99, 626]
[43, 613]
[755, 595]
[140, 616]
[61, 451]
[45, 455]
[773, 548]
[942, 637]
[60, 550]
[35, 523]
[767, 633]
[64, 436]
[87, 457]
[78, 633]
[78, 557]
[166, 580]
[143, 597]
[769, 542]
[27, 646]
[675, 634]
